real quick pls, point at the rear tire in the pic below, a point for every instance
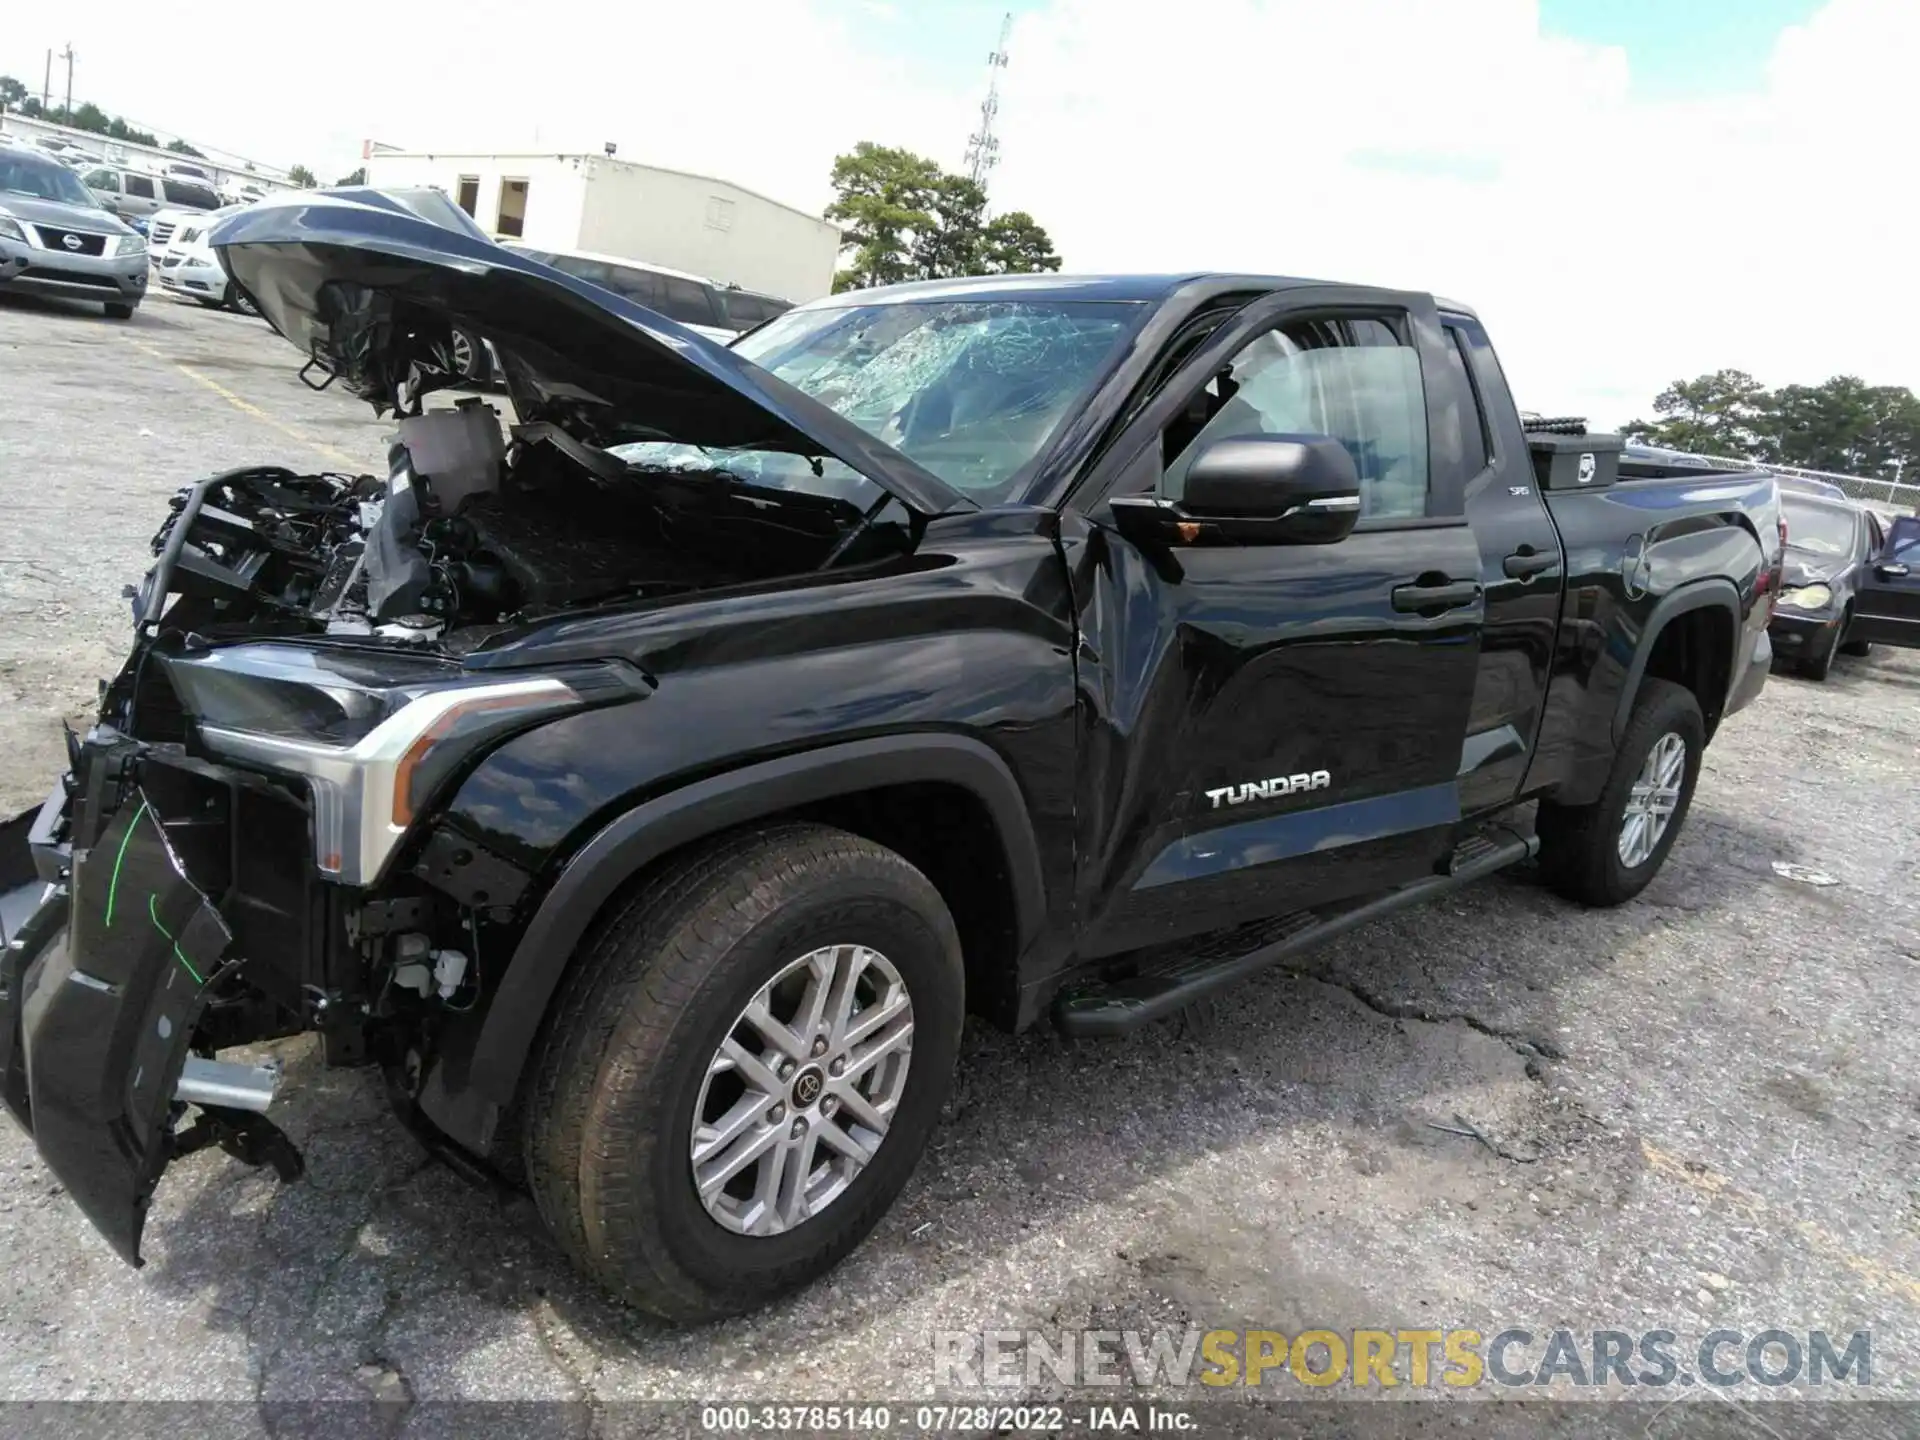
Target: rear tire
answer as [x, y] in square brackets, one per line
[634, 1049]
[469, 357]
[117, 311]
[1585, 850]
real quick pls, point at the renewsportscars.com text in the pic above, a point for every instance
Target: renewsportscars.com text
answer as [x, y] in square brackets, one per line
[1389, 1359]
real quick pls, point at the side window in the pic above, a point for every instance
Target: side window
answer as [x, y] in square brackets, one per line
[688, 301]
[1464, 412]
[140, 187]
[103, 180]
[1876, 537]
[192, 196]
[1357, 381]
[640, 286]
[1903, 541]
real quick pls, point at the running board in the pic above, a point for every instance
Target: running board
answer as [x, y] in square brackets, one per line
[1163, 987]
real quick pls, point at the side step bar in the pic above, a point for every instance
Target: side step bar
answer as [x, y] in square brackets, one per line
[1198, 969]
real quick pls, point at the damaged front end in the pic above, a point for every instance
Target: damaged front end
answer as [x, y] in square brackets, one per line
[245, 845]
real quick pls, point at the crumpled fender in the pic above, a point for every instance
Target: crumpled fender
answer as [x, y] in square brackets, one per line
[104, 1008]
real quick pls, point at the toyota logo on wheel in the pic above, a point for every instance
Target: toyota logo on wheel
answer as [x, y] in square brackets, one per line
[72, 242]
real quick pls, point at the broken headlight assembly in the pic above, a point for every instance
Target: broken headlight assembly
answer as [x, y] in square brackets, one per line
[374, 736]
[1808, 597]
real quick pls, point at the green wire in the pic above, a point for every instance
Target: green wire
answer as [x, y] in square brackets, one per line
[113, 885]
[153, 909]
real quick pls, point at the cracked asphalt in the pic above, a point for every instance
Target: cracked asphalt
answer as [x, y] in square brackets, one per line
[1697, 1111]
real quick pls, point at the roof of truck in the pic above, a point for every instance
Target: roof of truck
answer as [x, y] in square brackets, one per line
[1136, 289]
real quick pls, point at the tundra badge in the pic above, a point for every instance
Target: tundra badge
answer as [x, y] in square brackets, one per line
[1270, 789]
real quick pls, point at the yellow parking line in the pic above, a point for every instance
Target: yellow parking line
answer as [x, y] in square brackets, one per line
[247, 407]
[1881, 1277]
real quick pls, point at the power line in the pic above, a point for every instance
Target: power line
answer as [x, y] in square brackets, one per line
[983, 146]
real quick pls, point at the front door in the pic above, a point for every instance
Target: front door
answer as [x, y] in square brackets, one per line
[1272, 726]
[1886, 611]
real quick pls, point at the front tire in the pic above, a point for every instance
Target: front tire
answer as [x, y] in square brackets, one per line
[1605, 853]
[1816, 666]
[116, 311]
[742, 1069]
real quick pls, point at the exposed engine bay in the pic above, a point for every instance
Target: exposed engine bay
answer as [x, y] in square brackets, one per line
[470, 529]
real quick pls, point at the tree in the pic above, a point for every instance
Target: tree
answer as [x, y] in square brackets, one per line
[358, 177]
[1842, 424]
[12, 93]
[1014, 244]
[181, 147]
[303, 177]
[1712, 415]
[907, 219]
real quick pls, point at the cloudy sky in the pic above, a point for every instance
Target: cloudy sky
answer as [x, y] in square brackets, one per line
[1628, 190]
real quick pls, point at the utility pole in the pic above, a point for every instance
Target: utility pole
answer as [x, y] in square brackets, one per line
[983, 146]
[46, 85]
[67, 55]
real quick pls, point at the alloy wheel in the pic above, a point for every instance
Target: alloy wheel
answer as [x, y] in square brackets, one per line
[797, 1100]
[1653, 799]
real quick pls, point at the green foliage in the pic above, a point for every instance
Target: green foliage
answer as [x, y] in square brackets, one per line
[358, 177]
[904, 218]
[303, 177]
[12, 93]
[1842, 424]
[181, 147]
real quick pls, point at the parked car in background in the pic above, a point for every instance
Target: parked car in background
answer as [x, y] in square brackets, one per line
[192, 271]
[655, 795]
[163, 225]
[184, 170]
[56, 237]
[741, 310]
[1830, 544]
[139, 192]
[66, 152]
[692, 301]
[1887, 608]
[1806, 485]
[243, 193]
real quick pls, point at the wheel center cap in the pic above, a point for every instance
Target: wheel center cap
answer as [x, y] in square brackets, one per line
[807, 1086]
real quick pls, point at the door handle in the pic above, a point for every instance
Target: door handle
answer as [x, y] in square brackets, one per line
[1526, 562]
[1439, 595]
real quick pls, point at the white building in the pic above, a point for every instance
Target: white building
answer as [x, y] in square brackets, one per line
[616, 207]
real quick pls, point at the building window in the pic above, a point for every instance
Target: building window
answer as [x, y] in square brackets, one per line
[719, 213]
[513, 208]
[469, 193]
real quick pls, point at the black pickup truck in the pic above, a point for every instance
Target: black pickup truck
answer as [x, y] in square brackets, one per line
[651, 785]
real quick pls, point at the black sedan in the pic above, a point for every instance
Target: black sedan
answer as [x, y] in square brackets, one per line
[1830, 544]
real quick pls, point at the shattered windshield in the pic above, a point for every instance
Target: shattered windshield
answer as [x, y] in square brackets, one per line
[972, 390]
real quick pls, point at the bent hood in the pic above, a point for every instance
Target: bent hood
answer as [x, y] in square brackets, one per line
[368, 285]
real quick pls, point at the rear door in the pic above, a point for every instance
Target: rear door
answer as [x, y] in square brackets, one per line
[1521, 572]
[1886, 611]
[1274, 726]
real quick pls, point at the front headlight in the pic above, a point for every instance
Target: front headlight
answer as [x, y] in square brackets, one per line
[130, 245]
[374, 735]
[1808, 597]
[10, 229]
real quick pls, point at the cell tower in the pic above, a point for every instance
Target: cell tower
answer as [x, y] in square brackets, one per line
[983, 146]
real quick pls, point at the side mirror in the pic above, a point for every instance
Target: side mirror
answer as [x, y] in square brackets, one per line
[1253, 490]
[1892, 570]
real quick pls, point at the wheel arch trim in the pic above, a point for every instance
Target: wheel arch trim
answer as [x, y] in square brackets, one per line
[656, 827]
[1714, 593]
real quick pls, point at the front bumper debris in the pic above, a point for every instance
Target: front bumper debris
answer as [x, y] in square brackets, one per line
[100, 991]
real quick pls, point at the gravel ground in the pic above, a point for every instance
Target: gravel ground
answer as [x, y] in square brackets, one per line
[1700, 1109]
